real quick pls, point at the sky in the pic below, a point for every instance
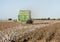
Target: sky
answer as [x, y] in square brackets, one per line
[39, 8]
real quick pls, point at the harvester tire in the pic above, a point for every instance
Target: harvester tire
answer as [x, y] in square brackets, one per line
[29, 22]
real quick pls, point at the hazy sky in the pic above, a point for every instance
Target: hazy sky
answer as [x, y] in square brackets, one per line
[39, 8]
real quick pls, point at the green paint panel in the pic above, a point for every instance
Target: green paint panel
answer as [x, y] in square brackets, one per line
[24, 12]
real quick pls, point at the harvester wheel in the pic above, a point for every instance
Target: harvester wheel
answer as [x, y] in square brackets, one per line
[29, 22]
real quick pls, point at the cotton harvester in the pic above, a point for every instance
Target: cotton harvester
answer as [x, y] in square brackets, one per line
[25, 16]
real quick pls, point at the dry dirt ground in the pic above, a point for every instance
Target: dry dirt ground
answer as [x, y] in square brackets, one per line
[39, 31]
[5, 25]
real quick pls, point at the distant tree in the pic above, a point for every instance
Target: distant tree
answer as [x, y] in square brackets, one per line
[58, 19]
[54, 19]
[10, 19]
[48, 18]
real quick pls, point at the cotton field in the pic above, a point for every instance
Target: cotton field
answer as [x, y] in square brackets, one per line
[39, 31]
